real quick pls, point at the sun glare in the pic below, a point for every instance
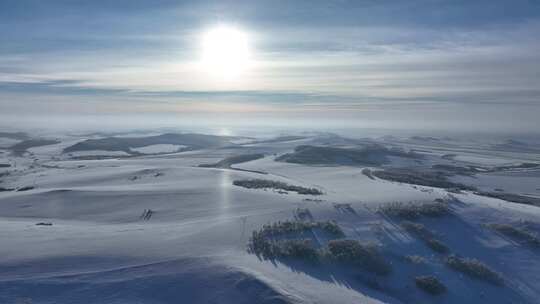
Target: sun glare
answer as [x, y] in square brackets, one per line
[225, 51]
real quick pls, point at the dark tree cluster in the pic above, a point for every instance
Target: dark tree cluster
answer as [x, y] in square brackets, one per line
[474, 268]
[430, 284]
[413, 211]
[428, 237]
[365, 256]
[270, 184]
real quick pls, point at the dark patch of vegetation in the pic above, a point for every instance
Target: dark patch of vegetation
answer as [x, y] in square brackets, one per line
[146, 214]
[345, 208]
[367, 172]
[428, 178]
[418, 230]
[510, 197]
[365, 256]
[25, 188]
[332, 228]
[285, 227]
[21, 147]
[471, 170]
[271, 249]
[437, 246]
[415, 210]
[455, 169]
[374, 154]
[14, 135]
[44, 224]
[426, 236]
[262, 246]
[315, 200]
[268, 242]
[430, 284]
[237, 159]
[95, 157]
[301, 249]
[518, 234]
[269, 184]
[474, 268]
[193, 141]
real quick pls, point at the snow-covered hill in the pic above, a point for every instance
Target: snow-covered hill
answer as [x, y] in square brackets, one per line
[160, 229]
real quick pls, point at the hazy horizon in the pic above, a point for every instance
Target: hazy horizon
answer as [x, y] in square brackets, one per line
[418, 65]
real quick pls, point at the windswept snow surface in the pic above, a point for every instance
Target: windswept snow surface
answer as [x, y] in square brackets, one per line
[160, 229]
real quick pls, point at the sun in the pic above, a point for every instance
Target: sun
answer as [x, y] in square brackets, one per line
[225, 51]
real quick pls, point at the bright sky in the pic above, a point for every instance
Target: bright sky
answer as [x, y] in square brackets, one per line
[391, 64]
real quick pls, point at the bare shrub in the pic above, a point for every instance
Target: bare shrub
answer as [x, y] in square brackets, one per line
[426, 236]
[430, 284]
[437, 246]
[266, 242]
[262, 246]
[474, 268]
[332, 228]
[301, 249]
[280, 228]
[415, 210]
[418, 230]
[430, 178]
[366, 256]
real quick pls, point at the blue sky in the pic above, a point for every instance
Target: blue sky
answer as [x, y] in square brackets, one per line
[392, 64]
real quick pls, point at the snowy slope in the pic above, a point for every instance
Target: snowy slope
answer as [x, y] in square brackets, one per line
[102, 246]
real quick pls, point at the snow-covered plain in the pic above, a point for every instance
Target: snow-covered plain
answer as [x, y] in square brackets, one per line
[102, 247]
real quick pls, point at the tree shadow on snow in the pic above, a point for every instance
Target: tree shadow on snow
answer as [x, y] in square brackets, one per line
[465, 239]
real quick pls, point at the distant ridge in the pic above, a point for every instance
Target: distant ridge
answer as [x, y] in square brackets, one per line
[192, 141]
[320, 155]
